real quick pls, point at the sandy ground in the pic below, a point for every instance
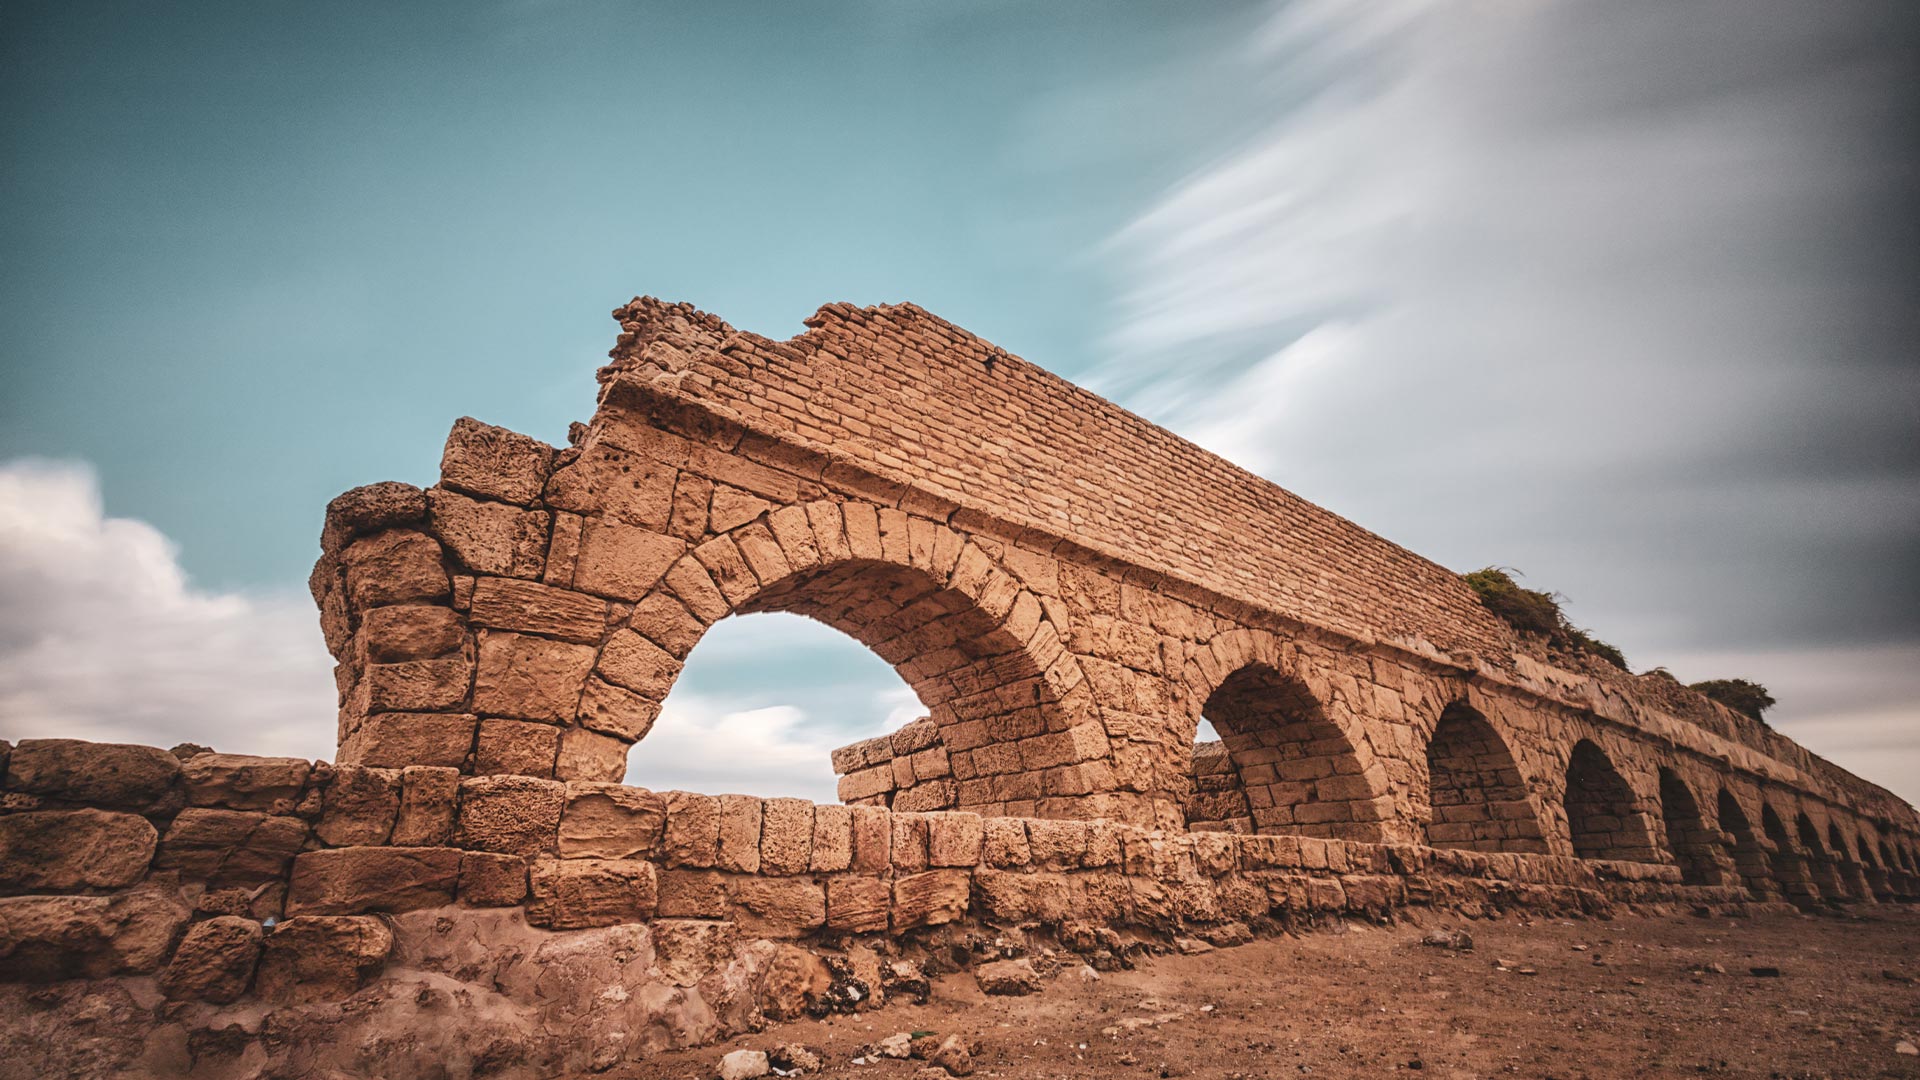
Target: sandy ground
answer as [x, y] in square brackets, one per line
[1632, 997]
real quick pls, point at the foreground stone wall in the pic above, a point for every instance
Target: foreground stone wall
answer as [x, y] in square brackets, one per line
[222, 914]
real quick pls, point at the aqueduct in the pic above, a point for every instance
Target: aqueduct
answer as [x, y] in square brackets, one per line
[1069, 590]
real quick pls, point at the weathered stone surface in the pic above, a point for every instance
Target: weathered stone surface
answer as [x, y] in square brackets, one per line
[612, 710]
[360, 880]
[530, 678]
[611, 821]
[588, 755]
[488, 879]
[322, 957]
[48, 938]
[786, 836]
[395, 740]
[631, 661]
[528, 608]
[740, 821]
[429, 796]
[570, 894]
[403, 632]
[778, 907]
[930, 898]
[514, 815]
[231, 847]
[858, 905]
[622, 561]
[214, 962]
[111, 775]
[744, 1065]
[832, 839]
[369, 509]
[796, 983]
[523, 747]
[953, 839]
[394, 567]
[495, 463]
[685, 950]
[693, 829]
[413, 686]
[1015, 977]
[240, 782]
[61, 850]
[490, 537]
[360, 806]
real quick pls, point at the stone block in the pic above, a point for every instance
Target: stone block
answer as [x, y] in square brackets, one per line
[530, 678]
[611, 821]
[360, 880]
[415, 686]
[732, 508]
[239, 782]
[740, 821]
[237, 848]
[930, 898]
[394, 567]
[694, 894]
[395, 740]
[589, 755]
[322, 957]
[832, 839]
[403, 632]
[872, 838]
[62, 850]
[489, 879]
[686, 950]
[1057, 845]
[359, 806]
[777, 907]
[429, 797]
[490, 537]
[514, 815]
[909, 845]
[786, 837]
[1004, 842]
[529, 608]
[53, 938]
[631, 661]
[667, 623]
[214, 962]
[623, 561]
[112, 775]
[495, 463]
[571, 894]
[693, 830]
[611, 710]
[953, 839]
[521, 747]
[858, 904]
[369, 509]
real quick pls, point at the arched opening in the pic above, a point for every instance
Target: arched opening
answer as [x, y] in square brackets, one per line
[1695, 847]
[1820, 862]
[761, 705]
[1217, 802]
[1477, 796]
[1852, 876]
[1790, 868]
[1749, 860]
[1602, 819]
[1297, 770]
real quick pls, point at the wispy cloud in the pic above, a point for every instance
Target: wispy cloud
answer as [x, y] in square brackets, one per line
[103, 637]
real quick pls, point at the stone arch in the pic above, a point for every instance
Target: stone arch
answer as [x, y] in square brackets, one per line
[1819, 860]
[1790, 867]
[1477, 796]
[1604, 820]
[1852, 877]
[1695, 846]
[978, 648]
[1749, 857]
[1294, 753]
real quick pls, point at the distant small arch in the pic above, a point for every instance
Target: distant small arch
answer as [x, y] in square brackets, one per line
[1603, 821]
[1476, 794]
[1692, 844]
[1748, 856]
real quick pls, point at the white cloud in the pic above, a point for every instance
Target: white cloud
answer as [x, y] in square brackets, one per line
[103, 637]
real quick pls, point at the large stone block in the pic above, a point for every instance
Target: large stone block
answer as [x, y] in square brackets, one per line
[112, 775]
[571, 894]
[631, 661]
[61, 850]
[413, 686]
[530, 678]
[858, 904]
[495, 463]
[240, 782]
[528, 608]
[359, 880]
[832, 839]
[623, 561]
[403, 632]
[214, 962]
[953, 839]
[930, 898]
[522, 747]
[777, 907]
[786, 836]
[514, 815]
[612, 710]
[490, 537]
[50, 938]
[429, 797]
[395, 567]
[685, 950]
[611, 821]
[359, 807]
[488, 879]
[322, 957]
[741, 817]
[589, 755]
[238, 848]
[693, 830]
[394, 740]
[369, 509]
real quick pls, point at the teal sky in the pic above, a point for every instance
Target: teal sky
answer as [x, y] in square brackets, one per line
[1616, 292]
[264, 252]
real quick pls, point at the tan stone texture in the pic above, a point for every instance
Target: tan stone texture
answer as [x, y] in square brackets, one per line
[490, 537]
[495, 463]
[488, 879]
[622, 561]
[930, 898]
[529, 608]
[786, 837]
[611, 821]
[62, 850]
[631, 661]
[51, 938]
[214, 962]
[395, 740]
[403, 632]
[359, 880]
[588, 755]
[244, 848]
[322, 957]
[238, 782]
[394, 567]
[109, 775]
[612, 710]
[429, 797]
[740, 824]
[530, 678]
[574, 893]
[522, 747]
[359, 806]
[515, 815]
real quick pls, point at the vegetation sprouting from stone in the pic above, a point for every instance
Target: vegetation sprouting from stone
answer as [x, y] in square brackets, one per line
[1531, 611]
[1740, 695]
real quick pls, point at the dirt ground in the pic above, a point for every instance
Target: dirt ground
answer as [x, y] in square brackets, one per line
[1631, 997]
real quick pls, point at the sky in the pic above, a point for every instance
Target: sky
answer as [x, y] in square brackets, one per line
[1618, 293]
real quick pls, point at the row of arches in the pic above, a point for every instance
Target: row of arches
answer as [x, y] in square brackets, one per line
[1283, 765]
